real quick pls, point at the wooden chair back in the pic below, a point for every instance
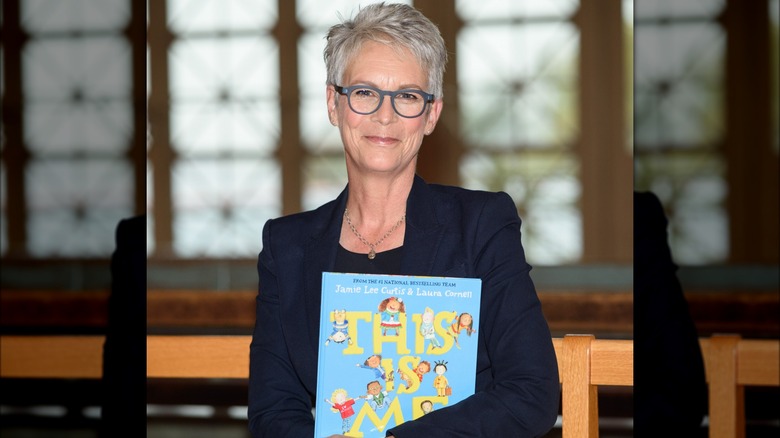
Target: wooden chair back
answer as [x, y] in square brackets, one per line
[731, 363]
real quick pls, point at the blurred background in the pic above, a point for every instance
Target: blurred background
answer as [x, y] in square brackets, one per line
[209, 117]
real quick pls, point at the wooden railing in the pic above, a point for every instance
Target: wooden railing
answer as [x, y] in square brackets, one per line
[585, 363]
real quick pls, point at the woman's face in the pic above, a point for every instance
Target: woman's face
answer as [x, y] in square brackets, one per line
[382, 142]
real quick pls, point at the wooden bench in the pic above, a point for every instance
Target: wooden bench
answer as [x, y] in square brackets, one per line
[585, 363]
[731, 364]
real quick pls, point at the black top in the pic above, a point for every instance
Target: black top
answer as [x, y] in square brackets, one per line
[386, 262]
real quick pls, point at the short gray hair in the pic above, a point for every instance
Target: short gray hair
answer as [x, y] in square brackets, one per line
[396, 25]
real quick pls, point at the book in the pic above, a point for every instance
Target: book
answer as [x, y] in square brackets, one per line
[393, 348]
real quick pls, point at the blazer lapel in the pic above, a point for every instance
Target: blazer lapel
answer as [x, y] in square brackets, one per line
[423, 231]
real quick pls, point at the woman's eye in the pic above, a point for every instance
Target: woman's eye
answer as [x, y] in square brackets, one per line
[408, 96]
[364, 92]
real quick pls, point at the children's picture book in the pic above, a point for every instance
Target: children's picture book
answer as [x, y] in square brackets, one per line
[393, 348]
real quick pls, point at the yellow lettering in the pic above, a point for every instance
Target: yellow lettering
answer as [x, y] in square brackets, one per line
[407, 364]
[449, 341]
[353, 317]
[393, 410]
[419, 341]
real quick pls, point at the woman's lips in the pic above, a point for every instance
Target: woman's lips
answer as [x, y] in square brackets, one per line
[385, 141]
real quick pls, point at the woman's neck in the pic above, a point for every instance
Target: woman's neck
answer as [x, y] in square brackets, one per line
[378, 201]
[375, 207]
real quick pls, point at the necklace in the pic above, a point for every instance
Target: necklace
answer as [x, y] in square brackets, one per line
[372, 246]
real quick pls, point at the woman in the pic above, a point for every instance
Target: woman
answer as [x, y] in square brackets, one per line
[384, 93]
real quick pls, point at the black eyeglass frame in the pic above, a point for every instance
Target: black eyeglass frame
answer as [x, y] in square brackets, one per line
[382, 93]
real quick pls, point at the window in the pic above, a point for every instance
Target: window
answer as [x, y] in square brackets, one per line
[246, 135]
[238, 131]
[224, 125]
[679, 123]
[774, 49]
[67, 166]
[518, 116]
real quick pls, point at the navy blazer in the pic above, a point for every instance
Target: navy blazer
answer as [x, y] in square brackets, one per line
[450, 231]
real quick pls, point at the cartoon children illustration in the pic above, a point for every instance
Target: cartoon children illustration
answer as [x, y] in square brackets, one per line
[340, 331]
[426, 406]
[391, 309]
[463, 322]
[342, 404]
[440, 382]
[422, 368]
[375, 397]
[427, 330]
[374, 363]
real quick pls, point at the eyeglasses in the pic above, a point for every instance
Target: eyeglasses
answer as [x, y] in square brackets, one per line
[364, 99]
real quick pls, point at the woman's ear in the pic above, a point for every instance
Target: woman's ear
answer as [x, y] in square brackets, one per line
[433, 115]
[331, 101]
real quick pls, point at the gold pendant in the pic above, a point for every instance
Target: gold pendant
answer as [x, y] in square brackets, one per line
[371, 254]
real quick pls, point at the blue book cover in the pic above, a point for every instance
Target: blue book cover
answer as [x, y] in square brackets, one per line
[393, 348]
